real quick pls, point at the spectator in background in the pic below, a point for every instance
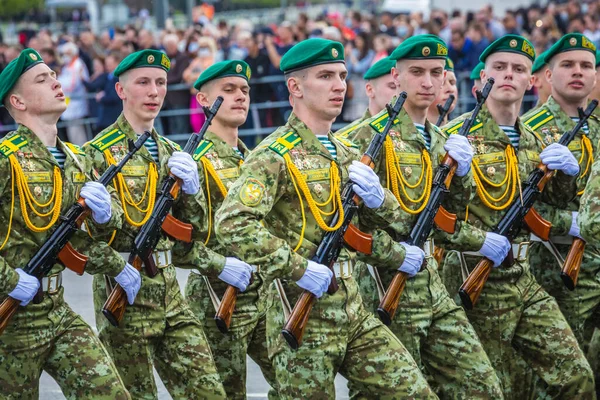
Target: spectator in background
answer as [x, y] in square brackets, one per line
[285, 37]
[94, 84]
[381, 46]
[386, 24]
[462, 52]
[71, 78]
[477, 34]
[177, 99]
[109, 105]
[359, 54]
[510, 23]
[145, 40]
[50, 57]
[259, 63]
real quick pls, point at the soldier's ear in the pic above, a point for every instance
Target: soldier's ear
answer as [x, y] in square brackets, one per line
[120, 91]
[202, 99]
[295, 87]
[548, 74]
[16, 102]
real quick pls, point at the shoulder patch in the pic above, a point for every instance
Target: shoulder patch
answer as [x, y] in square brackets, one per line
[539, 118]
[75, 149]
[252, 192]
[108, 139]
[170, 143]
[378, 123]
[202, 149]
[456, 127]
[12, 144]
[285, 143]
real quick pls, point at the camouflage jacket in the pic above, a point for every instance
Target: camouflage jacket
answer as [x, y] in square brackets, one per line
[550, 122]
[408, 145]
[265, 192]
[37, 165]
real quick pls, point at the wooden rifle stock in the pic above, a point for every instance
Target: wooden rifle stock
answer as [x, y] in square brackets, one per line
[391, 299]
[438, 255]
[293, 331]
[225, 311]
[115, 305]
[570, 270]
[8, 308]
[471, 288]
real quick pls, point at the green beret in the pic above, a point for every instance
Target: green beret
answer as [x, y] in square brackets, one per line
[17, 67]
[569, 42]
[509, 44]
[311, 52]
[540, 62]
[421, 47]
[476, 73]
[223, 69]
[142, 59]
[449, 65]
[380, 68]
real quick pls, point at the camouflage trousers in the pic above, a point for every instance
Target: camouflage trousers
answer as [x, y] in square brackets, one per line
[51, 337]
[247, 334]
[514, 313]
[159, 330]
[438, 334]
[341, 336]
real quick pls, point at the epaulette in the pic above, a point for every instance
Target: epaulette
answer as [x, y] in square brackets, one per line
[202, 149]
[170, 143]
[539, 118]
[75, 149]
[344, 132]
[12, 144]
[534, 133]
[346, 142]
[456, 127]
[108, 139]
[379, 121]
[285, 143]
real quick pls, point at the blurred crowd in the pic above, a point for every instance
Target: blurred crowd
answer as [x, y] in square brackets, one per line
[84, 62]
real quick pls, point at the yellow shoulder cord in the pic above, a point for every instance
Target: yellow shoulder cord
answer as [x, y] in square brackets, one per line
[26, 199]
[12, 204]
[208, 169]
[510, 180]
[586, 147]
[394, 176]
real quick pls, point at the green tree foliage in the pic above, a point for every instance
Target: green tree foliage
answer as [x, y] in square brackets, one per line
[13, 8]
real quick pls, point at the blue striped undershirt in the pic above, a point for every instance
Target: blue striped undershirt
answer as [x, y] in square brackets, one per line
[585, 128]
[238, 152]
[512, 134]
[324, 139]
[59, 156]
[152, 148]
[426, 135]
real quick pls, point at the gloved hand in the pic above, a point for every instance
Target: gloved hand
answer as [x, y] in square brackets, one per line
[461, 151]
[26, 289]
[316, 279]
[557, 156]
[236, 273]
[98, 200]
[495, 247]
[183, 166]
[412, 260]
[574, 231]
[366, 184]
[130, 280]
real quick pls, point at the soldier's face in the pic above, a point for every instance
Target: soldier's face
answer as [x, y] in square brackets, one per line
[143, 91]
[381, 91]
[448, 88]
[421, 80]
[596, 92]
[40, 92]
[236, 99]
[512, 74]
[572, 75]
[322, 90]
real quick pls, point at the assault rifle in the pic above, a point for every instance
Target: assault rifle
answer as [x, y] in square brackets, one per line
[443, 110]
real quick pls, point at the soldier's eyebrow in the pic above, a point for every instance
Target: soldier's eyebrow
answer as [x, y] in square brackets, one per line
[42, 75]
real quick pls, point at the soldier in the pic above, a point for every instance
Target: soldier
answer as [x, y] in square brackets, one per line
[219, 157]
[428, 322]
[49, 176]
[302, 162]
[571, 72]
[476, 78]
[596, 92]
[540, 83]
[513, 311]
[448, 88]
[158, 329]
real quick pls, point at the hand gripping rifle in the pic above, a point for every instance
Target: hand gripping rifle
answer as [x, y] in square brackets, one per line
[330, 247]
[57, 246]
[443, 110]
[149, 235]
[520, 211]
[433, 213]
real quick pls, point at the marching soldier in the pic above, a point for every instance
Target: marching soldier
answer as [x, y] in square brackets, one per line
[292, 182]
[476, 78]
[448, 88]
[540, 83]
[219, 157]
[571, 73]
[158, 329]
[428, 322]
[513, 311]
[43, 177]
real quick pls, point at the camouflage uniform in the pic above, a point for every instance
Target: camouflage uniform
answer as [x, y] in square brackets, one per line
[428, 322]
[49, 336]
[159, 329]
[514, 312]
[340, 336]
[247, 332]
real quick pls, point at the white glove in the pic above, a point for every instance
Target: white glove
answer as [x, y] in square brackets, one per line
[412, 260]
[316, 279]
[366, 184]
[26, 289]
[236, 273]
[557, 156]
[495, 248]
[130, 280]
[574, 231]
[98, 200]
[461, 151]
[183, 166]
